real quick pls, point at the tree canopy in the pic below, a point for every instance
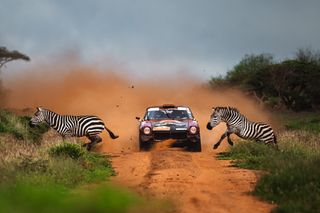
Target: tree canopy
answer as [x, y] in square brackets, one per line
[292, 83]
[7, 55]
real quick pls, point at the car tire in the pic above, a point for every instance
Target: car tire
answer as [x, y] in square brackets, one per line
[145, 145]
[195, 146]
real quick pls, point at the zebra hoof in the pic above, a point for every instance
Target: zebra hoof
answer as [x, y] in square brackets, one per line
[231, 143]
[216, 146]
[88, 147]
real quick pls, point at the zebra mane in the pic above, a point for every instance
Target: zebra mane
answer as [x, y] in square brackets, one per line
[226, 108]
[47, 110]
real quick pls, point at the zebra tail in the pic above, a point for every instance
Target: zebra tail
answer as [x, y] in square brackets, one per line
[275, 142]
[275, 138]
[112, 135]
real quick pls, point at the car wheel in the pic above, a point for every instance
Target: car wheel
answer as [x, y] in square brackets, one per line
[145, 145]
[195, 146]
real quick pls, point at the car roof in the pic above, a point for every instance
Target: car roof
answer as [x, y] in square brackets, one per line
[167, 106]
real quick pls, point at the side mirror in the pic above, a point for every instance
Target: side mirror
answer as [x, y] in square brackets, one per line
[138, 118]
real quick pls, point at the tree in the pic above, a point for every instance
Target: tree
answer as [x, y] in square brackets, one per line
[307, 55]
[292, 83]
[6, 56]
[246, 71]
[250, 74]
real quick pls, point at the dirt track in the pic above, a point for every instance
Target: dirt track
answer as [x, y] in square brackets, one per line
[195, 182]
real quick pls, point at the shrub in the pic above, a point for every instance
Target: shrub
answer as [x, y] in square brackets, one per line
[19, 128]
[73, 151]
[34, 134]
[93, 166]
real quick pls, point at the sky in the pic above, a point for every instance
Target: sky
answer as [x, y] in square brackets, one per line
[203, 37]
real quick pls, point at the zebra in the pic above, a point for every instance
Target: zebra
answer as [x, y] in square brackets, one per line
[241, 126]
[73, 126]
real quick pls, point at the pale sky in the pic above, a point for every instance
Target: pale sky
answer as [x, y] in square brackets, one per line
[205, 37]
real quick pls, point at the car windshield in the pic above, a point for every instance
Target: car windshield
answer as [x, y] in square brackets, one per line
[175, 114]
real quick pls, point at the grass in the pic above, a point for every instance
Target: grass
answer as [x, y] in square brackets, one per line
[67, 150]
[292, 173]
[54, 198]
[307, 121]
[55, 180]
[43, 167]
[19, 128]
[42, 176]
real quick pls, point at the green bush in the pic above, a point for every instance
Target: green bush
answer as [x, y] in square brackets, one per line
[34, 134]
[19, 128]
[73, 151]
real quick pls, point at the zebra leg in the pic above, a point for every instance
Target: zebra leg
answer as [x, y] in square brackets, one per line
[66, 135]
[94, 140]
[221, 139]
[229, 139]
[273, 145]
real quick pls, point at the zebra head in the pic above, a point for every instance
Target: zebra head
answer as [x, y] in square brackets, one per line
[215, 118]
[37, 118]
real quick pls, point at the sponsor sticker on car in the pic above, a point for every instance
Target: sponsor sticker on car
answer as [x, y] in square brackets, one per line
[161, 128]
[181, 129]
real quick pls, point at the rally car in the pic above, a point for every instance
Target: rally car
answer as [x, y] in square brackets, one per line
[169, 122]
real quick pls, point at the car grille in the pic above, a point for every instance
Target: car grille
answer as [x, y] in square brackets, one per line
[168, 135]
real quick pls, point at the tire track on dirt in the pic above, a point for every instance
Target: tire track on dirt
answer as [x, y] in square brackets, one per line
[194, 182]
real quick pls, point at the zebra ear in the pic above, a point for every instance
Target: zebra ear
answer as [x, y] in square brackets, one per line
[213, 108]
[39, 108]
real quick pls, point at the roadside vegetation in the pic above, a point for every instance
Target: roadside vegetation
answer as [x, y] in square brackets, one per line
[38, 175]
[18, 127]
[290, 88]
[290, 175]
[291, 84]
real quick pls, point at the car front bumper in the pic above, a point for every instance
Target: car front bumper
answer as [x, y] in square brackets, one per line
[165, 135]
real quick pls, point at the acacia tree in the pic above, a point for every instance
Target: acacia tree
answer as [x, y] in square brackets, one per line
[6, 56]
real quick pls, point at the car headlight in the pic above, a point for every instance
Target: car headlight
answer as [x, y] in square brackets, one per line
[147, 130]
[193, 130]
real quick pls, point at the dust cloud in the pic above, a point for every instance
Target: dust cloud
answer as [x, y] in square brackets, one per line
[118, 99]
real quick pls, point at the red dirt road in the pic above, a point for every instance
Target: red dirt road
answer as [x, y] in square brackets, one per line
[194, 182]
